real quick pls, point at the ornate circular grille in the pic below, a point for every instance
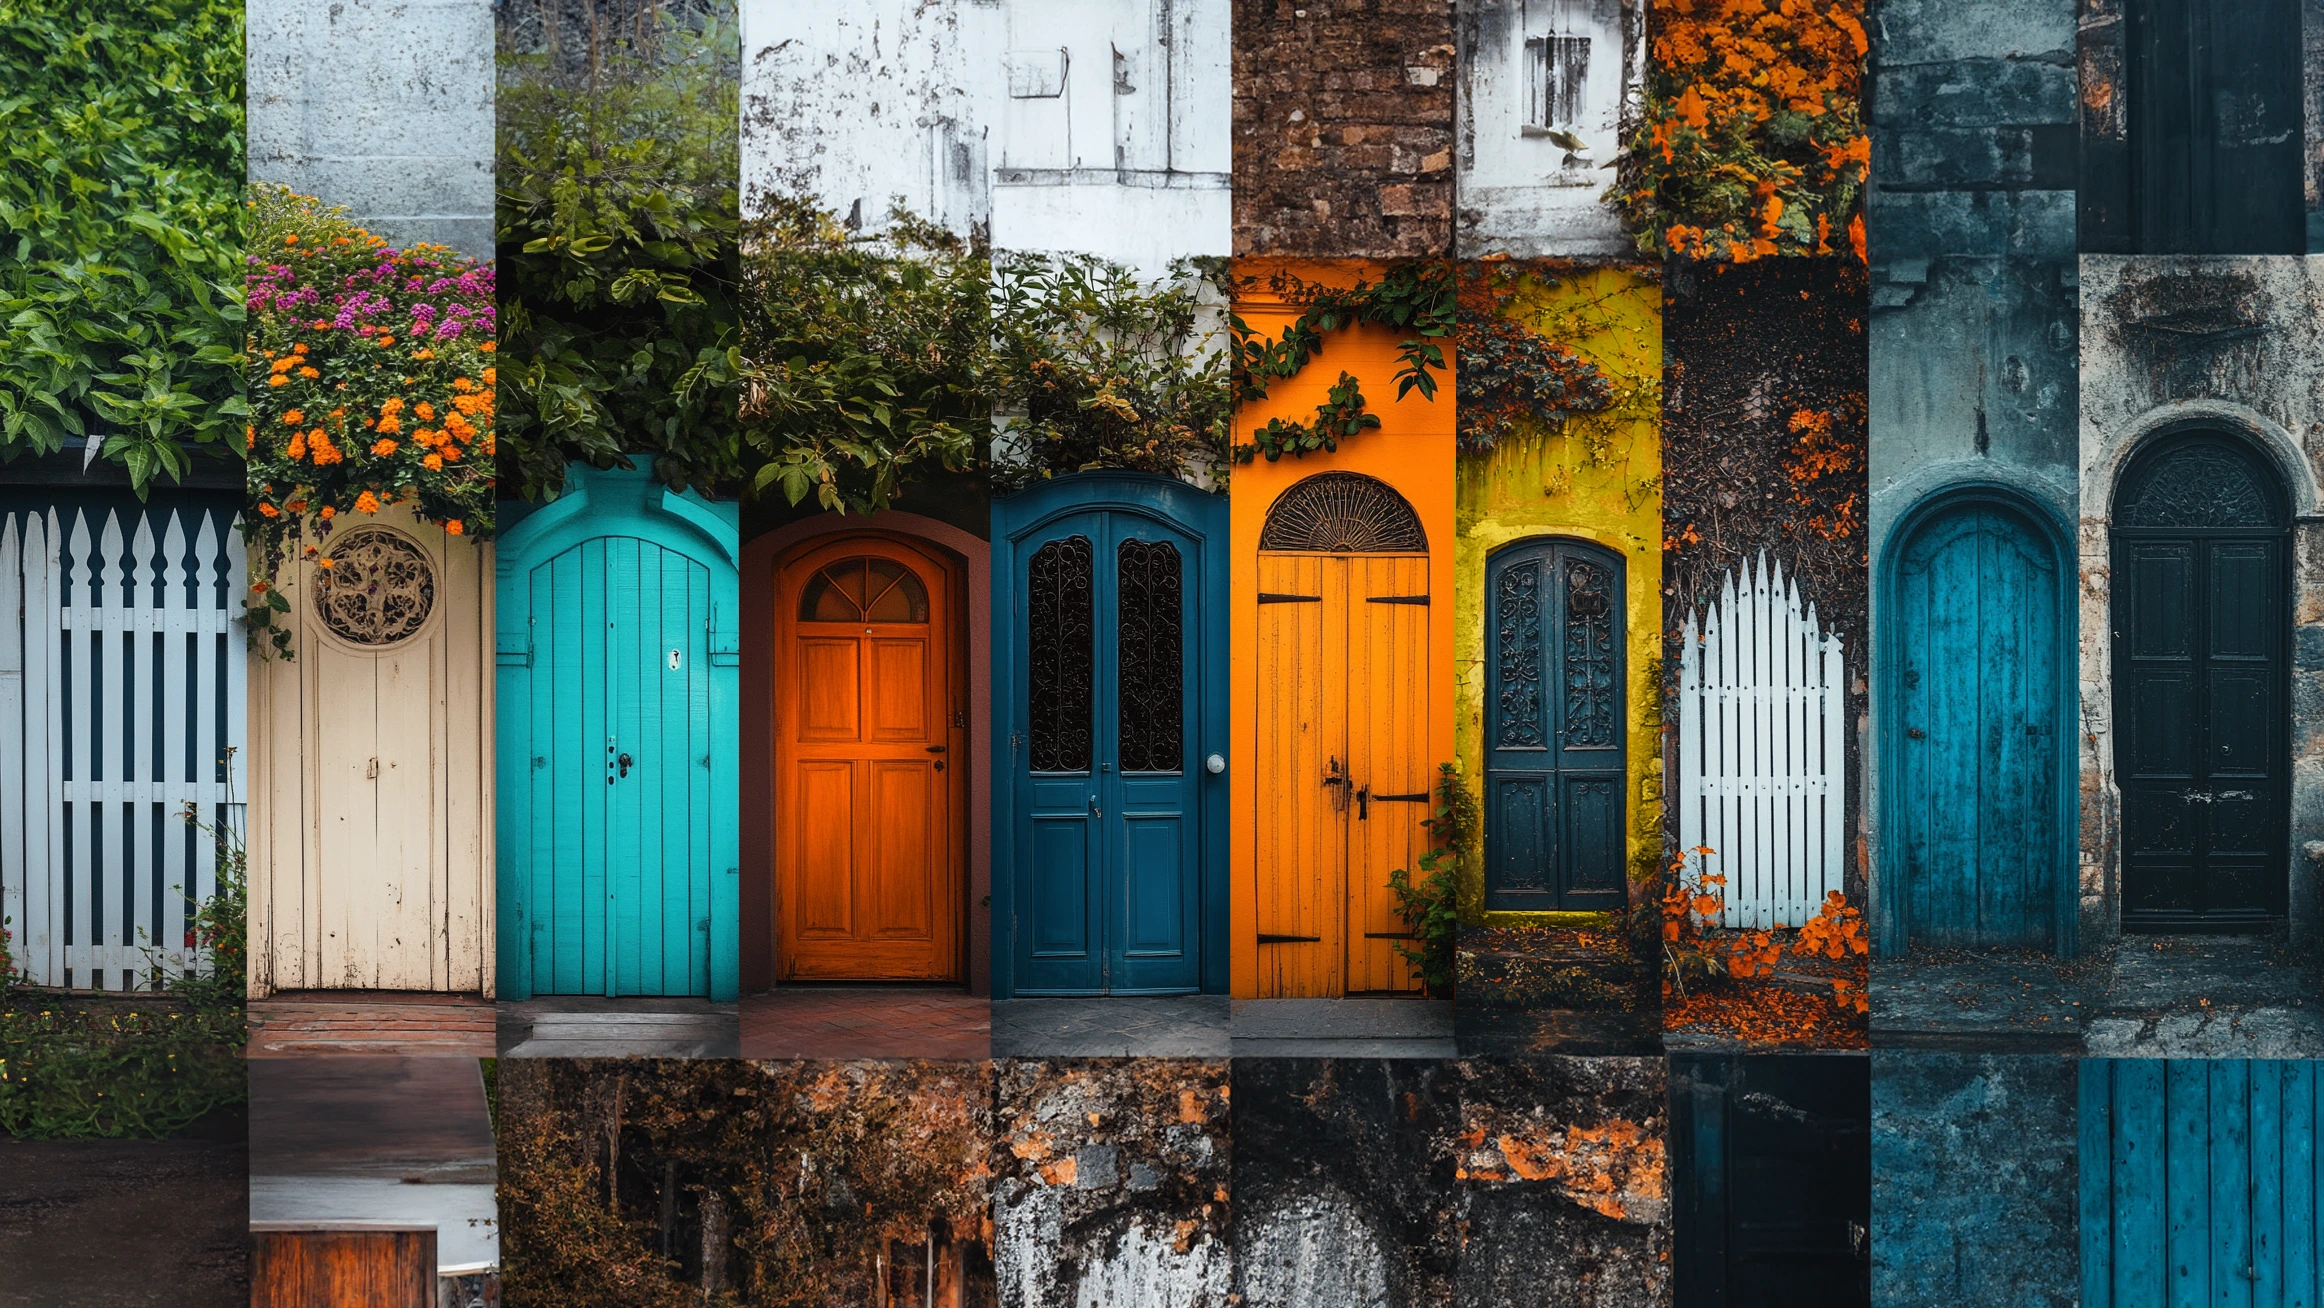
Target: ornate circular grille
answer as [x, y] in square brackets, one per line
[2208, 481]
[378, 589]
[1343, 513]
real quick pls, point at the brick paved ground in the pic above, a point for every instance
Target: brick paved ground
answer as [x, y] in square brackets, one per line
[632, 1026]
[866, 1022]
[301, 1023]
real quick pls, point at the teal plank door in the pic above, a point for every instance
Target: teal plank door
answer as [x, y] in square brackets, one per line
[618, 809]
[2199, 1184]
[1974, 729]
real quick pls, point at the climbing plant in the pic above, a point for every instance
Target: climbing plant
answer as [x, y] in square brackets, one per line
[1751, 141]
[1510, 374]
[1430, 905]
[1417, 298]
[371, 384]
[121, 167]
[618, 226]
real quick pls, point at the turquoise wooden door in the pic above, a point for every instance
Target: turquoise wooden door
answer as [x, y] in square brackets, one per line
[617, 743]
[1972, 730]
[2200, 1183]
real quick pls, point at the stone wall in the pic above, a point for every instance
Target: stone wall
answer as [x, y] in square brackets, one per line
[384, 106]
[1343, 128]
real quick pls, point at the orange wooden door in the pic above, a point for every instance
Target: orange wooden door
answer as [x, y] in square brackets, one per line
[1341, 740]
[869, 748]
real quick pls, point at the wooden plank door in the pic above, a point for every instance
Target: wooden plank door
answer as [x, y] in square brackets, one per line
[2201, 686]
[1554, 778]
[869, 764]
[1979, 638]
[2215, 126]
[1103, 641]
[2199, 1182]
[1344, 778]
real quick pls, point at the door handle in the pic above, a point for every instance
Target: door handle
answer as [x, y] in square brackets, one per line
[936, 749]
[1917, 734]
[1094, 810]
[1364, 804]
[625, 761]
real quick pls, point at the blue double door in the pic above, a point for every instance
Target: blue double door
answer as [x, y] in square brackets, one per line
[1972, 730]
[1109, 596]
[617, 744]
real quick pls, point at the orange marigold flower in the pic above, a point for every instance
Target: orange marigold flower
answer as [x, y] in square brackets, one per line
[463, 385]
[385, 340]
[298, 446]
[388, 424]
[425, 411]
[392, 404]
[366, 503]
[300, 348]
[309, 373]
[491, 376]
[433, 463]
[454, 527]
[383, 447]
[459, 426]
[292, 239]
[293, 418]
[270, 511]
[283, 365]
[329, 513]
[488, 347]
[278, 380]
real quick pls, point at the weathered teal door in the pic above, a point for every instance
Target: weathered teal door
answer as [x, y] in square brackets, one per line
[1972, 729]
[617, 743]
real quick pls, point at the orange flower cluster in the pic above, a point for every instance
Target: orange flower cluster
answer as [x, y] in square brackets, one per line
[1752, 143]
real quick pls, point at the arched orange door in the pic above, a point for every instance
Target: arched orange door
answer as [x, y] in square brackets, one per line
[870, 743]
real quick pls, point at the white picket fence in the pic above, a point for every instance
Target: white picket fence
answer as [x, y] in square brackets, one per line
[121, 691]
[1761, 758]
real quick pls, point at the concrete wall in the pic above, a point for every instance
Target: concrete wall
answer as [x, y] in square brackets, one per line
[1050, 125]
[1521, 192]
[2234, 341]
[1594, 477]
[1973, 1181]
[1343, 128]
[384, 106]
[1970, 228]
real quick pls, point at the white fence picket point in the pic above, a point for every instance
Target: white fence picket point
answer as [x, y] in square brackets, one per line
[95, 867]
[1760, 716]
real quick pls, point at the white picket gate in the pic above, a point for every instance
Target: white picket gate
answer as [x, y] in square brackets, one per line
[1761, 751]
[121, 691]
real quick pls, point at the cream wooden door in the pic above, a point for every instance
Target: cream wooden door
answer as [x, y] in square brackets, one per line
[1343, 773]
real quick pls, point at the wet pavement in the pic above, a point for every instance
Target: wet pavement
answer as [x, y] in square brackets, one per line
[1113, 1026]
[1357, 1027]
[70, 1208]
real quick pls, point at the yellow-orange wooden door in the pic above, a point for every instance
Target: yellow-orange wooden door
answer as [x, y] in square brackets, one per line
[869, 747]
[1343, 773]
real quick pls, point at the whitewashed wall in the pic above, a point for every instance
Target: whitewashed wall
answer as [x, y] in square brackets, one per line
[371, 792]
[1532, 71]
[384, 106]
[1092, 126]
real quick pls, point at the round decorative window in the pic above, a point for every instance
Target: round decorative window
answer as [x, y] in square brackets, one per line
[375, 588]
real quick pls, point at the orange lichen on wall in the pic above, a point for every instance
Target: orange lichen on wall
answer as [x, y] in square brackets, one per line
[1617, 1168]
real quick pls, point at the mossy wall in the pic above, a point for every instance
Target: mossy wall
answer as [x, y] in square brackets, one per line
[1588, 476]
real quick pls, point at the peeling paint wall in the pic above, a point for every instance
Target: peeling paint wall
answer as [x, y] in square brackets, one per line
[1343, 127]
[1970, 224]
[1344, 1189]
[1112, 1184]
[2235, 342]
[1049, 125]
[1533, 72]
[1594, 477]
[384, 106]
[1565, 1184]
[1973, 1181]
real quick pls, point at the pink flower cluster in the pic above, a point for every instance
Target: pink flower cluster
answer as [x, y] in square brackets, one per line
[430, 294]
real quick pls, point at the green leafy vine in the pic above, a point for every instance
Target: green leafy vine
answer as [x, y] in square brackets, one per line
[1417, 298]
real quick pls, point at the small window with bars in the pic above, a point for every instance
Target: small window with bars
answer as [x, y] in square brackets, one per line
[1557, 69]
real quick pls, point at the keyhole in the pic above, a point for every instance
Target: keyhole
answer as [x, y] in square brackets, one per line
[674, 660]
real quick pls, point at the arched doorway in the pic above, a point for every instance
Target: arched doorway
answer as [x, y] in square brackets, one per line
[1110, 821]
[870, 767]
[1973, 727]
[1554, 724]
[1343, 772]
[2201, 598]
[616, 709]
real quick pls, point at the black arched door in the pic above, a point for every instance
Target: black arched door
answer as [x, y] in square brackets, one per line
[2201, 686]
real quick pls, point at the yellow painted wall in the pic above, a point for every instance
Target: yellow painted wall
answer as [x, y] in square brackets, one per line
[1597, 477]
[1413, 452]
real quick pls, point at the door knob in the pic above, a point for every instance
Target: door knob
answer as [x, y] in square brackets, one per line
[1917, 734]
[625, 762]
[1214, 765]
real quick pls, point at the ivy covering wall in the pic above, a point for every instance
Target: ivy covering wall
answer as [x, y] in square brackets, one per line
[121, 166]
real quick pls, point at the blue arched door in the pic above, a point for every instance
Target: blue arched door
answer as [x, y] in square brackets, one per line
[1109, 608]
[1972, 729]
[617, 744]
[1554, 722]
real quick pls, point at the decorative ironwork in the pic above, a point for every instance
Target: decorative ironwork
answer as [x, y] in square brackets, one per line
[1062, 653]
[377, 588]
[1518, 635]
[864, 588]
[1589, 655]
[2203, 483]
[1343, 513]
[1150, 657]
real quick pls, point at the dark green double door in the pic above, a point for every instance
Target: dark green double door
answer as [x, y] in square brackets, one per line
[2201, 687]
